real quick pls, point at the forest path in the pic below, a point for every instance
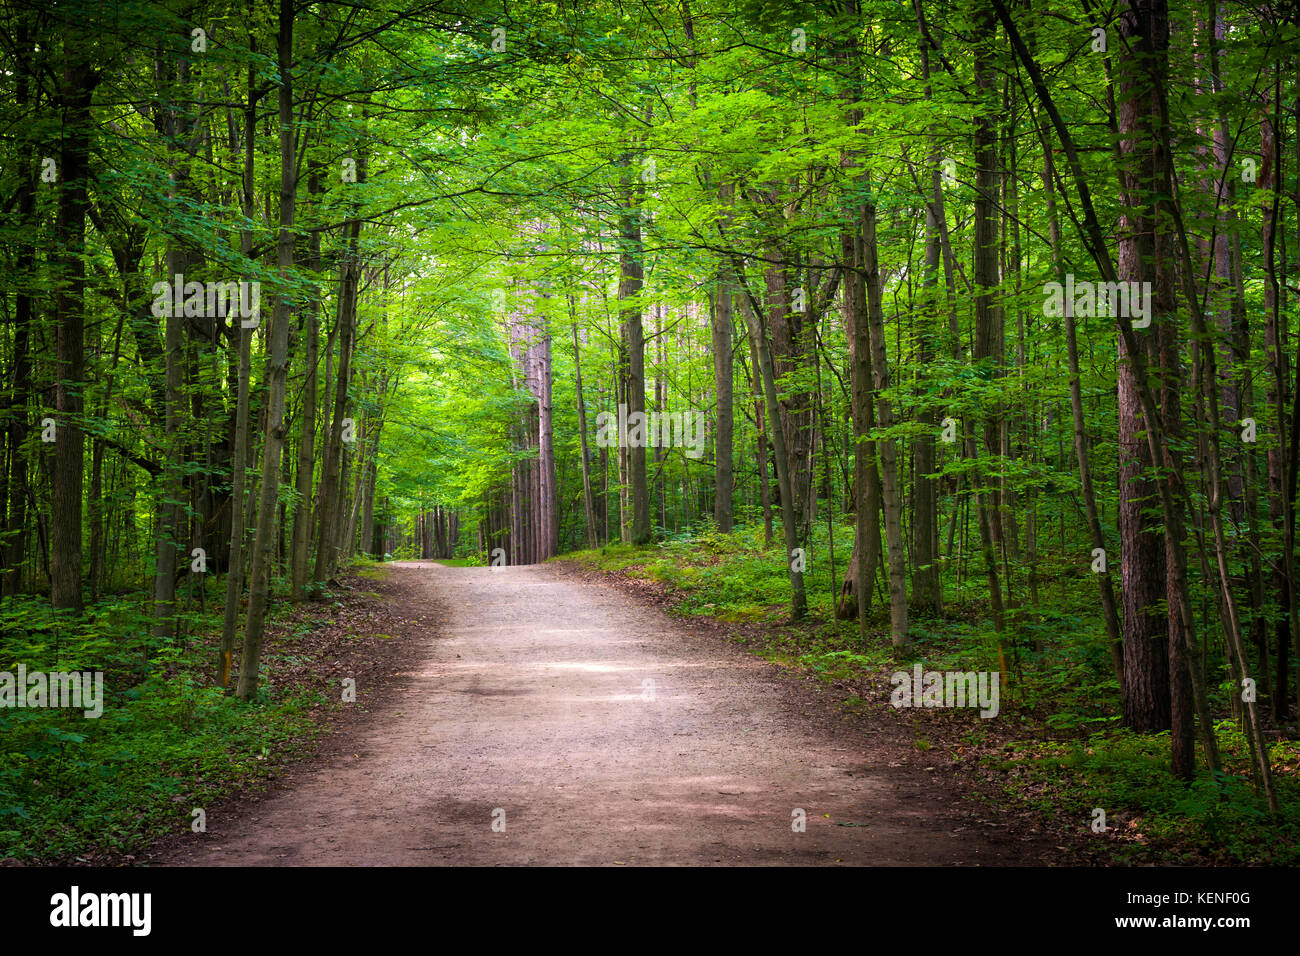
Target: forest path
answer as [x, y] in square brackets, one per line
[532, 698]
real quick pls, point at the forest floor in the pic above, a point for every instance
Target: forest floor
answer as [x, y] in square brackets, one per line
[540, 715]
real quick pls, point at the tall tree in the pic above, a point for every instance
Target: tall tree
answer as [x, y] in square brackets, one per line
[277, 362]
[77, 82]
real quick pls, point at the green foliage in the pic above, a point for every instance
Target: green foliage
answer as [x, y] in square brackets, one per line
[167, 741]
[1220, 820]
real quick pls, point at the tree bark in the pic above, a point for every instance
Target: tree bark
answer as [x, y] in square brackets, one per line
[243, 346]
[302, 512]
[76, 88]
[276, 369]
[721, 321]
[753, 311]
[14, 550]
[631, 280]
[891, 488]
[588, 504]
[988, 346]
[331, 489]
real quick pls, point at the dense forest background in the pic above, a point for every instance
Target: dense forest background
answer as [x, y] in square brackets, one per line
[962, 313]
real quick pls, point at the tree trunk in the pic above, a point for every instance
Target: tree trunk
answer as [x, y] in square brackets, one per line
[721, 320]
[76, 89]
[13, 552]
[760, 444]
[331, 489]
[588, 504]
[242, 338]
[1142, 547]
[988, 348]
[892, 490]
[753, 312]
[302, 513]
[276, 369]
[631, 279]
[858, 587]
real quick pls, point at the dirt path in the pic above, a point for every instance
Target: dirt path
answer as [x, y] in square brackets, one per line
[533, 699]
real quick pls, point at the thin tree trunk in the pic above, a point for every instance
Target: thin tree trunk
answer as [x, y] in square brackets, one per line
[891, 487]
[721, 321]
[760, 445]
[14, 549]
[1105, 587]
[631, 279]
[276, 369]
[927, 591]
[331, 489]
[753, 317]
[239, 466]
[302, 513]
[588, 504]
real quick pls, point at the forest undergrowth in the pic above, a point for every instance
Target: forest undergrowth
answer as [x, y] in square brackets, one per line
[78, 791]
